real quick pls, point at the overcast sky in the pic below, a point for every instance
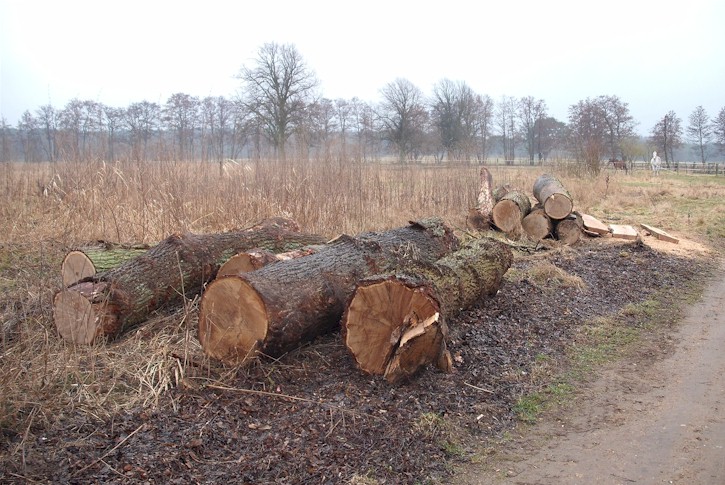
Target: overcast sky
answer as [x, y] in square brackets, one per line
[655, 55]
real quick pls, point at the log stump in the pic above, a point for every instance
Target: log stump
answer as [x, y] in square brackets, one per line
[105, 305]
[480, 216]
[277, 308]
[553, 197]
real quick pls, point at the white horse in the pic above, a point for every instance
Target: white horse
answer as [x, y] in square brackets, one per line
[656, 163]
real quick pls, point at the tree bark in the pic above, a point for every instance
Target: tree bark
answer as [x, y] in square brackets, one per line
[395, 324]
[553, 197]
[480, 216]
[276, 308]
[569, 230]
[85, 262]
[510, 210]
[537, 224]
[107, 304]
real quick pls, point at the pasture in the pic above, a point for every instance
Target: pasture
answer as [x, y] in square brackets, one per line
[105, 394]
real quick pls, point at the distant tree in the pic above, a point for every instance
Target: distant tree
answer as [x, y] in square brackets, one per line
[587, 133]
[277, 90]
[506, 123]
[550, 134]
[365, 127]
[699, 131]
[454, 108]
[718, 128]
[114, 122]
[47, 121]
[619, 124]
[5, 148]
[667, 135]
[530, 113]
[403, 117]
[484, 125]
[29, 134]
[343, 118]
[181, 115]
[321, 126]
[142, 120]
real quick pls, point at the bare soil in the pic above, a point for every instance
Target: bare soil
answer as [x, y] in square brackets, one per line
[312, 417]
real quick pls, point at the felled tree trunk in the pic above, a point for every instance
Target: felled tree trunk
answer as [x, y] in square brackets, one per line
[85, 262]
[107, 304]
[537, 225]
[277, 308]
[510, 210]
[395, 324]
[569, 230]
[553, 197]
[480, 216]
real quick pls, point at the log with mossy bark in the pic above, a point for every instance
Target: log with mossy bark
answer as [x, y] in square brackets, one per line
[553, 197]
[103, 256]
[395, 324]
[105, 305]
[277, 308]
[510, 210]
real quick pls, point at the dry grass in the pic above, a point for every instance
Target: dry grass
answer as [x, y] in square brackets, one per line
[46, 209]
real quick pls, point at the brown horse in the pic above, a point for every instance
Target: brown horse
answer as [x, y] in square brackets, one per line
[618, 164]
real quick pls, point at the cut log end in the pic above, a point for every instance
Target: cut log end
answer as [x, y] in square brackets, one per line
[537, 224]
[558, 206]
[507, 216]
[392, 328]
[232, 320]
[76, 266]
[75, 318]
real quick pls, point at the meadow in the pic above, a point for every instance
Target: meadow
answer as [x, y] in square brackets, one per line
[47, 209]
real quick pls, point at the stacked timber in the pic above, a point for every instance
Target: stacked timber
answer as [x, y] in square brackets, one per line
[104, 305]
[510, 209]
[276, 308]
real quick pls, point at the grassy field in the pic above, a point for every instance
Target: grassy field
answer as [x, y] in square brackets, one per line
[46, 209]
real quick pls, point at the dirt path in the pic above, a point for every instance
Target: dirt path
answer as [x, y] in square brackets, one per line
[644, 422]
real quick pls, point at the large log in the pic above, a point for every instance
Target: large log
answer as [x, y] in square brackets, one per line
[537, 225]
[254, 259]
[107, 304]
[395, 324]
[480, 216]
[276, 308]
[87, 261]
[553, 197]
[568, 231]
[510, 210]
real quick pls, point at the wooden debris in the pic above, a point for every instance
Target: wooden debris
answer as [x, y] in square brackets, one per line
[593, 224]
[660, 234]
[623, 231]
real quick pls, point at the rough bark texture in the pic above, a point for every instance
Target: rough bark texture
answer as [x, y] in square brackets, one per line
[106, 304]
[553, 197]
[537, 225]
[85, 262]
[568, 230]
[276, 308]
[395, 324]
[510, 209]
[480, 216]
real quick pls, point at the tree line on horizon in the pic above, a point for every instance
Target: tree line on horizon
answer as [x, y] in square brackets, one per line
[280, 113]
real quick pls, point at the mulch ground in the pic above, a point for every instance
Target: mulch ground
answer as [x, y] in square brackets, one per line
[312, 418]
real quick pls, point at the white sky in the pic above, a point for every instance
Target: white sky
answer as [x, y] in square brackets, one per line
[654, 55]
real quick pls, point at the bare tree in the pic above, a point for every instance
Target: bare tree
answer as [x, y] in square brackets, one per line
[550, 134]
[29, 134]
[619, 124]
[142, 120]
[181, 115]
[506, 123]
[454, 116]
[530, 112]
[667, 135]
[5, 148]
[114, 122]
[718, 128]
[587, 133]
[699, 131]
[403, 117]
[277, 90]
[484, 125]
[47, 119]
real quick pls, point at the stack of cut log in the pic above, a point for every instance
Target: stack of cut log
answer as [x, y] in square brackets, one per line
[271, 288]
[510, 210]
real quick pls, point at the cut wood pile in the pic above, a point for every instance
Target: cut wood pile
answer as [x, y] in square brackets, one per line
[270, 288]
